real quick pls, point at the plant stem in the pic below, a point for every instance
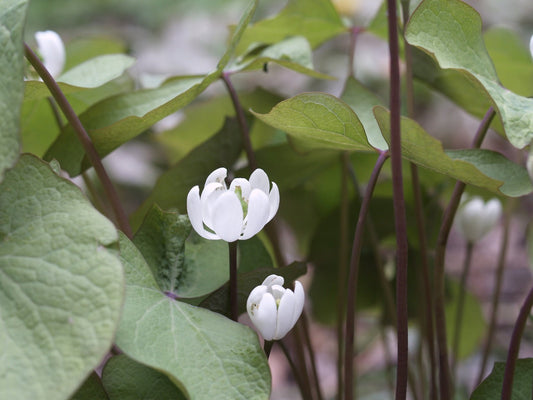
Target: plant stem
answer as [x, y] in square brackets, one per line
[295, 370]
[241, 119]
[352, 278]
[495, 297]
[311, 356]
[400, 221]
[84, 138]
[460, 305]
[342, 269]
[233, 295]
[440, 252]
[514, 346]
[354, 34]
[268, 347]
[300, 355]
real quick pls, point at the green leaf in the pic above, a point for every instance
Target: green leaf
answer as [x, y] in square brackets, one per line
[195, 128]
[319, 120]
[91, 389]
[116, 120]
[84, 48]
[511, 59]
[12, 16]
[125, 379]
[293, 53]
[61, 284]
[482, 168]
[491, 387]
[193, 345]
[172, 187]
[90, 74]
[316, 20]
[473, 326]
[219, 300]
[450, 31]
[362, 101]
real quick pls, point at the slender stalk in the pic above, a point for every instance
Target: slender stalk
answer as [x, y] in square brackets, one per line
[294, 368]
[352, 279]
[495, 297]
[460, 305]
[301, 357]
[400, 221]
[308, 343]
[233, 299]
[84, 138]
[342, 270]
[440, 251]
[267, 347]
[354, 34]
[241, 119]
[514, 346]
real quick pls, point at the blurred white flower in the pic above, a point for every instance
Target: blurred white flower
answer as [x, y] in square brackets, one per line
[475, 218]
[52, 51]
[531, 46]
[273, 309]
[529, 162]
[237, 213]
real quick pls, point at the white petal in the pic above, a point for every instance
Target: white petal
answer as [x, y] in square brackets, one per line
[299, 296]
[277, 291]
[218, 175]
[52, 50]
[255, 297]
[212, 191]
[285, 314]
[194, 211]
[273, 200]
[257, 217]
[227, 217]
[531, 46]
[264, 317]
[259, 180]
[273, 280]
[243, 184]
[493, 210]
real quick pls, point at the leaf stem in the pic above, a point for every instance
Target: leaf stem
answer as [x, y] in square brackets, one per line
[84, 138]
[440, 253]
[514, 346]
[233, 294]
[307, 338]
[352, 278]
[495, 297]
[400, 221]
[295, 370]
[460, 305]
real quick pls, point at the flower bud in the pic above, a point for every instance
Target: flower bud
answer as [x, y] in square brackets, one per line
[273, 309]
[237, 213]
[52, 51]
[476, 218]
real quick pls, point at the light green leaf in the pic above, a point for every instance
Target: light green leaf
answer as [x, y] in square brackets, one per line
[316, 20]
[193, 345]
[450, 31]
[219, 300]
[61, 284]
[90, 74]
[473, 326]
[12, 16]
[116, 120]
[84, 48]
[125, 379]
[482, 168]
[171, 189]
[91, 389]
[491, 387]
[319, 120]
[292, 53]
[362, 101]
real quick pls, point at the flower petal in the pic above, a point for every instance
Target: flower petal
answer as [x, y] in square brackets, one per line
[218, 175]
[227, 217]
[259, 180]
[244, 185]
[264, 317]
[52, 51]
[299, 296]
[273, 280]
[255, 297]
[212, 191]
[273, 200]
[257, 217]
[285, 314]
[194, 211]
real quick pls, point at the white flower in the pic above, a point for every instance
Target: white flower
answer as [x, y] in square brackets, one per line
[273, 309]
[52, 51]
[531, 46]
[476, 218]
[237, 213]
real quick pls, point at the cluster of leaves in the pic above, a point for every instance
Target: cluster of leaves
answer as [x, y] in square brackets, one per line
[71, 285]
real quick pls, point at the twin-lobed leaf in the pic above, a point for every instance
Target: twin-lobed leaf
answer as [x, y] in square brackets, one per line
[61, 284]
